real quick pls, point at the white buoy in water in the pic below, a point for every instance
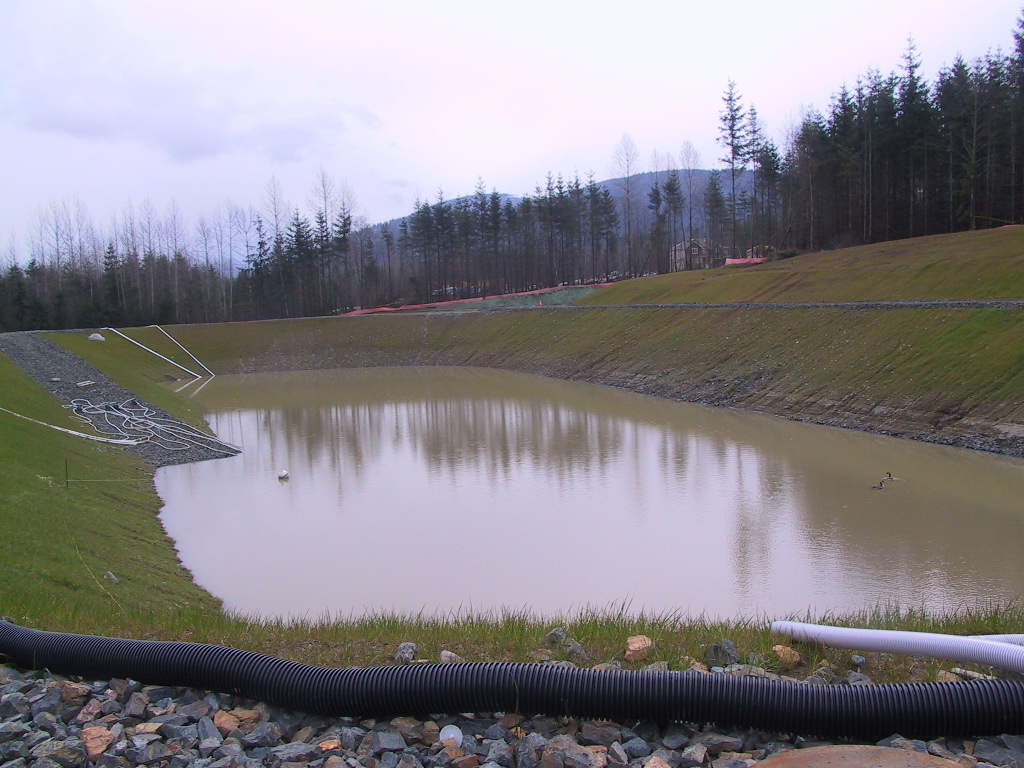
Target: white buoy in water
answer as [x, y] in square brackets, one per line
[282, 475]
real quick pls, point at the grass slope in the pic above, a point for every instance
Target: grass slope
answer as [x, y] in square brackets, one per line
[966, 265]
[59, 540]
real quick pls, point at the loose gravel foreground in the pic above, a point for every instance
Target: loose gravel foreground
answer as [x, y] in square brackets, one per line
[49, 721]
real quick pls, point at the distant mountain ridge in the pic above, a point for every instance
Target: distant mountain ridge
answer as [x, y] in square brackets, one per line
[641, 184]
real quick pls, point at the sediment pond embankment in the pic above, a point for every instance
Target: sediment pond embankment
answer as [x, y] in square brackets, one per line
[945, 372]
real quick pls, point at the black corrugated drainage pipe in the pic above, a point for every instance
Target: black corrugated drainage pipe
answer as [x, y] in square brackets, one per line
[917, 710]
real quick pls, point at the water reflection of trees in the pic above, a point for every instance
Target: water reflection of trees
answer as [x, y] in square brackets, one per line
[489, 435]
[780, 504]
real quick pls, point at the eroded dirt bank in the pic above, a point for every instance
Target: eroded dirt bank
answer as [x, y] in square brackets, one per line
[950, 375]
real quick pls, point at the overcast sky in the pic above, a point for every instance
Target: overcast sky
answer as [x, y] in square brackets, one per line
[202, 102]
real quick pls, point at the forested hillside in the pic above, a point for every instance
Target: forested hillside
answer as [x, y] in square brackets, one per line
[891, 157]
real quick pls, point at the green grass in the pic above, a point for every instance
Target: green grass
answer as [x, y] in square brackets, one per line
[61, 538]
[967, 265]
[911, 366]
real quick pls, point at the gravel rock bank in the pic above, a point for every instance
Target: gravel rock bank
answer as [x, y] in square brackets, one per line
[50, 721]
[60, 371]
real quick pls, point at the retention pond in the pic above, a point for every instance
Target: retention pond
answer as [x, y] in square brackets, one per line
[442, 490]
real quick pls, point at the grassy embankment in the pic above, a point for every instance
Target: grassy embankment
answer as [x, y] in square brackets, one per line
[901, 367]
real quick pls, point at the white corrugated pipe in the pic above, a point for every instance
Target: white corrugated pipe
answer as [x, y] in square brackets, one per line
[979, 650]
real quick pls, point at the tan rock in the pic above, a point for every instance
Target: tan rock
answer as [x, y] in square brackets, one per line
[246, 715]
[91, 711]
[789, 657]
[598, 756]
[656, 762]
[97, 740]
[410, 728]
[329, 744]
[448, 657]
[638, 647]
[431, 731]
[944, 676]
[225, 721]
[699, 666]
[511, 719]
[466, 761]
[70, 691]
[146, 728]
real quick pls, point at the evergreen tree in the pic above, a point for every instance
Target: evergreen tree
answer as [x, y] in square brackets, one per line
[734, 138]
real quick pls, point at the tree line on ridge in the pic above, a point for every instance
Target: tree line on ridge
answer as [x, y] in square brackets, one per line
[892, 157]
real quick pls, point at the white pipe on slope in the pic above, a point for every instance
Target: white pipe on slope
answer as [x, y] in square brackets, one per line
[953, 647]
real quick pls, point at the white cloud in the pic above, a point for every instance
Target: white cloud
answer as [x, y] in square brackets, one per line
[114, 99]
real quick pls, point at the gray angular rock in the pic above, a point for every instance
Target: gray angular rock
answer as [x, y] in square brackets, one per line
[410, 728]
[136, 706]
[406, 653]
[617, 754]
[857, 678]
[407, 760]
[50, 702]
[196, 710]
[296, 751]
[386, 741]
[263, 735]
[500, 753]
[9, 731]
[497, 731]
[986, 750]
[14, 705]
[69, 753]
[151, 753]
[184, 735]
[555, 638]
[636, 747]
[898, 742]
[735, 762]
[693, 755]
[574, 650]
[676, 736]
[525, 754]
[230, 748]
[722, 653]
[717, 743]
[599, 733]
[205, 729]
[48, 722]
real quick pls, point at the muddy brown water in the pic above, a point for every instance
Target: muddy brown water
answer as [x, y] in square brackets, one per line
[440, 489]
